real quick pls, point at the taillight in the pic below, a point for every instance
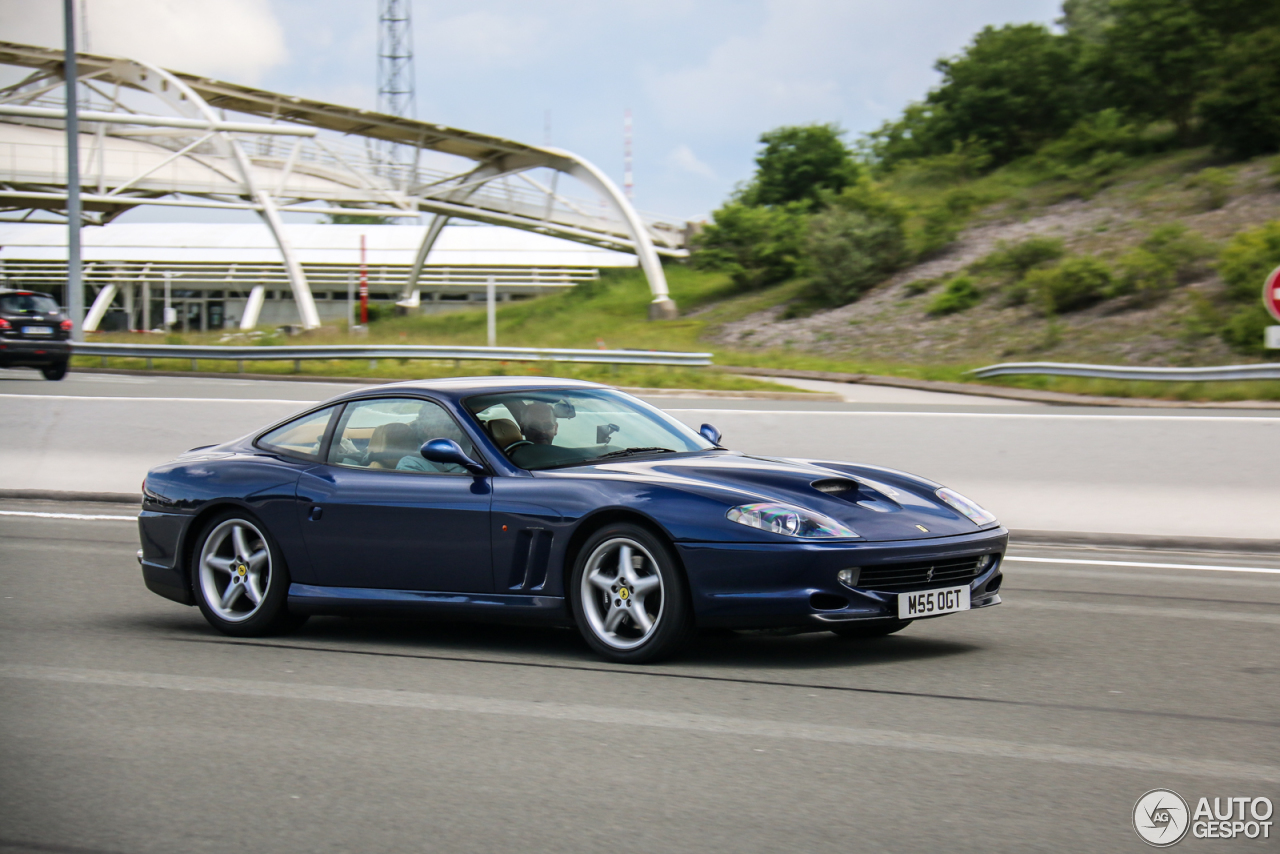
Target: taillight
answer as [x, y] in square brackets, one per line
[66, 326]
[4, 324]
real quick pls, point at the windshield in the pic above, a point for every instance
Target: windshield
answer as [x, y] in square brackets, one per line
[554, 428]
[27, 304]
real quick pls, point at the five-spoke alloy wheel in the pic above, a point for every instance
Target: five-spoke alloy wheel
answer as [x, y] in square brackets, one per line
[240, 584]
[628, 597]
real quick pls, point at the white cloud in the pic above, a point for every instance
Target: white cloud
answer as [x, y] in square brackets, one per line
[237, 39]
[683, 157]
[486, 38]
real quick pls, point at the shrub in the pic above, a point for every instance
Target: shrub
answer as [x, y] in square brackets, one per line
[1215, 186]
[942, 222]
[1244, 329]
[1144, 275]
[1018, 259]
[849, 252]
[378, 311]
[1095, 147]
[1248, 258]
[919, 286]
[960, 294]
[1170, 256]
[756, 246]
[1074, 284]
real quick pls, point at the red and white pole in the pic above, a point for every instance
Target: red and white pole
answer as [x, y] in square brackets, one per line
[364, 286]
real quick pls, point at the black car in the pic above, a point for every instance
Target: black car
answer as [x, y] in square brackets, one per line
[34, 333]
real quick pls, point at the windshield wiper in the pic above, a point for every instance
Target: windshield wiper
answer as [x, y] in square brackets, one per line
[629, 451]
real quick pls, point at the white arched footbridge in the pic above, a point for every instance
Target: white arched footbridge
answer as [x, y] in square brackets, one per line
[150, 136]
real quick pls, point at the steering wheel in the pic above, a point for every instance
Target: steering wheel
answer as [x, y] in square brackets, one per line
[507, 449]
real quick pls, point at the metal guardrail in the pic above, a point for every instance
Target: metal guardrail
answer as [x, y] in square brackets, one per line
[1223, 373]
[389, 351]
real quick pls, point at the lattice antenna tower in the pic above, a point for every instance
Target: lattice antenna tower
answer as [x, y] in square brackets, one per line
[395, 68]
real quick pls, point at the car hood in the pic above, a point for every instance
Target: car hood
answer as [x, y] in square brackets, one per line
[879, 504]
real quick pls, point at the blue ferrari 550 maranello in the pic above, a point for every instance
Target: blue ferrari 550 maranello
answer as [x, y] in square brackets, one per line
[557, 501]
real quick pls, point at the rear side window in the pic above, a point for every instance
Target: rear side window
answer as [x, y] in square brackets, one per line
[27, 304]
[388, 433]
[301, 437]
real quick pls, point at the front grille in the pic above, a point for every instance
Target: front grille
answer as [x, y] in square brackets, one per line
[896, 577]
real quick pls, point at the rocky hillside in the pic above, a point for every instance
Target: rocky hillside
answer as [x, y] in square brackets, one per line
[898, 321]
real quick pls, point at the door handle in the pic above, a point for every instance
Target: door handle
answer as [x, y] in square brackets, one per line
[316, 512]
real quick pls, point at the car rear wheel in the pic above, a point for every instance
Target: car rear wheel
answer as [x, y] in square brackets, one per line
[239, 579]
[629, 599]
[871, 630]
[54, 372]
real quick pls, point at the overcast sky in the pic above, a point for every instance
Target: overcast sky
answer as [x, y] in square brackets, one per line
[703, 78]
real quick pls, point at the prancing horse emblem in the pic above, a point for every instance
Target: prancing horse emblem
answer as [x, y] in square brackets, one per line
[928, 576]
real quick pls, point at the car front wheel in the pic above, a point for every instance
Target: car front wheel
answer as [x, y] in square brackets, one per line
[240, 580]
[629, 599]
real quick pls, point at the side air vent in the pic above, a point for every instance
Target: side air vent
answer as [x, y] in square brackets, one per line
[835, 486]
[529, 560]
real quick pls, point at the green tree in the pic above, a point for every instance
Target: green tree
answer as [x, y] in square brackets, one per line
[1007, 93]
[1241, 111]
[850, 251]
[757, 246]
[1153, 60]
[1011, 90]
[799, 164]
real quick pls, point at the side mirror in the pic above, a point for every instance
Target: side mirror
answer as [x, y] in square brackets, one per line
[450, 452]
[710, 433]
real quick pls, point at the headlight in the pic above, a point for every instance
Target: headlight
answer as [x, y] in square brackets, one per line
[789, 520]
[965, 507]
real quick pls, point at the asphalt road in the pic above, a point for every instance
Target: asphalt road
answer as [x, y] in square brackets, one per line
[1185, 473]
[127, 725]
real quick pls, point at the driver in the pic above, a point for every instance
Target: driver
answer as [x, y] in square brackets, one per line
[538, 422]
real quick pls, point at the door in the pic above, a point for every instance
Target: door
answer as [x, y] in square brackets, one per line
[378, 515]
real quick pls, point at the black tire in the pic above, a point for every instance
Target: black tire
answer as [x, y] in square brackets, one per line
[217, 554]
[56, 371]
[671, 618]
[870, 629]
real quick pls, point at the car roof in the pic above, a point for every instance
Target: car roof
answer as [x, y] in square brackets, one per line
[460, 387]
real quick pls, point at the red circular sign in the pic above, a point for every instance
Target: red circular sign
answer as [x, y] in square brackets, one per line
[1271, 293]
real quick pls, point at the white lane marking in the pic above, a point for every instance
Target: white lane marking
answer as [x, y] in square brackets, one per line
[1144, 611]
[809, 412]
[683, 721]
[1202, 567]
[161, 399]
[1109, 575]
[84, 517]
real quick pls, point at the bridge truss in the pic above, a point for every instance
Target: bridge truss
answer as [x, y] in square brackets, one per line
[150, 136]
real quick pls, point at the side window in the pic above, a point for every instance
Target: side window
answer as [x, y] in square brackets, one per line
[388, 433]
[301, 437]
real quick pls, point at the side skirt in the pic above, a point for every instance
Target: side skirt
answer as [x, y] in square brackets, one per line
[502, 607]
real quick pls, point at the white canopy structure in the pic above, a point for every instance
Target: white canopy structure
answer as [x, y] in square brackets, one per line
[151, 136]
[206, 272]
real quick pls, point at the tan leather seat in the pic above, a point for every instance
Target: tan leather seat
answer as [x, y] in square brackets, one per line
[389, 443]
[504, 432]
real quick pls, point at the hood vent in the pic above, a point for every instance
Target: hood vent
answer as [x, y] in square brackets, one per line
[835, 486]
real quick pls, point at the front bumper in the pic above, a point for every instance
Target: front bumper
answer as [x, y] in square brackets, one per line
[794, 585]
[33, 352]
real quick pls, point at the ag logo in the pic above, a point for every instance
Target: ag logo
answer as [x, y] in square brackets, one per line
[1161, 817]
